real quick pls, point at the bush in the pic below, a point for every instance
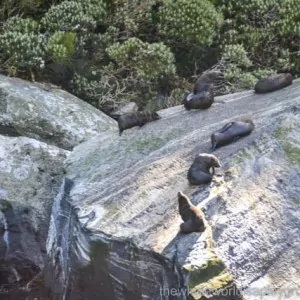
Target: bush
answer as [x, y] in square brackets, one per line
[22, 44]
[262, 27]
[61, 46]
[147, 61]
[190, 21]
[106, 93]
[25, 8]
[190, 27]
[79, 16]
[134, 18]
[236, 54]
[237, 71]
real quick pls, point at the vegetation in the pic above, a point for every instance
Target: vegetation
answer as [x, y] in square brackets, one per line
[148, 51]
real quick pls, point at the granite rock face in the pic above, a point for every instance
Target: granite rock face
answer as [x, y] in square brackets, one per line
[115, 224]
[30, 177]
[48, 114]
[38, 122]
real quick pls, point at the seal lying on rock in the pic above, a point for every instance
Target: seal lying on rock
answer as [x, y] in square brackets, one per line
[199, 171]
[138, 118]
[201, 100]
[231, 132]
[273, 83]
[202, 96]
[192, 216]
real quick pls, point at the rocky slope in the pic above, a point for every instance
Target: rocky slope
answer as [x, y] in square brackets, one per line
[102, 221]
[30, 177]
[126, 244]
[31, 174]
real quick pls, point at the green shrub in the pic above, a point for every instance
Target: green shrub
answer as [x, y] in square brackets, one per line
[237, 70]
[189, 21]
[287, 23]
[147, 61]
[61, 46]
[236, 54]
[190, 28]
[262, 27]
[134, 17]
[80, 16]
[22, 44]
[107, 92]
[24, 8]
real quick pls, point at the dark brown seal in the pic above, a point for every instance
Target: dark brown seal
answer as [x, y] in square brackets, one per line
[202, 100]
[192, 216]
[202, 96]
[138, 118]
[273, 83]
[204, 80]
[199, 172]
[230, 132]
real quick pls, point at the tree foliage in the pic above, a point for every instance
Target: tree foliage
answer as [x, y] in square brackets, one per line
[143, 50]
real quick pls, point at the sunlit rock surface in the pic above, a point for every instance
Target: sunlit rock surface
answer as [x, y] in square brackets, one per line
[114, 227]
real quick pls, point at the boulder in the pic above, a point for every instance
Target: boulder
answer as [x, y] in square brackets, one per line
[30, 176]
[48, 114]
[121, 237]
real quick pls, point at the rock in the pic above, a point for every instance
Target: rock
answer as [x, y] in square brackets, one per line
[30, 177]
[121, 237]
[258, 237]
[127, 108]
[48, 114]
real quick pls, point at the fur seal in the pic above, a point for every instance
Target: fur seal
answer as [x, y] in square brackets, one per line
[231, 132]
[192, 216]
[273, 83]
[138, 118]
[202, 96]
[199, 171]
[205, 79]
[202, 100]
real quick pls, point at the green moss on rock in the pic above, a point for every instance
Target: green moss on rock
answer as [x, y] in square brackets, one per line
[212, 268]
[213, 286]
[296, 201]
[290, 146]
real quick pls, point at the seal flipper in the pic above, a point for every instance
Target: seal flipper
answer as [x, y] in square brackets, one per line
[190, 96]
[213, 143]
[213, 170]
[226, 126]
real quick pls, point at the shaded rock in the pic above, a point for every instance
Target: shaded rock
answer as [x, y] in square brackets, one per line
[255, 217]
[30, 176]
[48, 114]
[122, 236]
